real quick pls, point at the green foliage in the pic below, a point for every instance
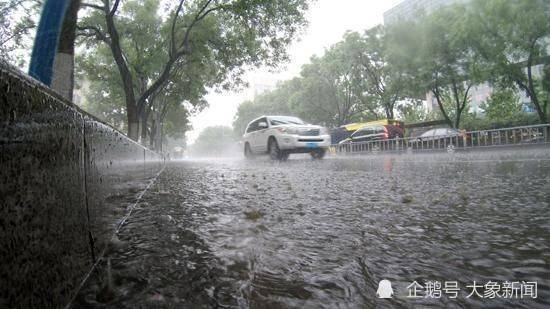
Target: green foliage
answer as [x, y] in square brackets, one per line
[176, 122]
[503, 105]
[474, 122]
[269, 103]
[214, 141]
[385, 75]
[333, 86]
[546, 78]
[444, 64]
[17, 21]
[414, 112]
[446, 53]
[511, 36]
[201, 44]
[545, 88]
[364, 76]
[351, 82]
[102, 100]
[144, 34]
[100, 84]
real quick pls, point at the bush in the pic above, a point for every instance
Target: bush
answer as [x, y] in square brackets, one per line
[476, 122]
[502, 110]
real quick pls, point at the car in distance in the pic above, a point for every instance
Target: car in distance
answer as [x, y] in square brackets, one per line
[374, 133]
[279, 136]
[438, 133]
[439, 138]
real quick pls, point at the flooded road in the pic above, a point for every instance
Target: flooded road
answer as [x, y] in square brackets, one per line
[323, 234]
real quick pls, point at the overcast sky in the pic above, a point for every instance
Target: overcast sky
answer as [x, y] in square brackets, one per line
[328, 21]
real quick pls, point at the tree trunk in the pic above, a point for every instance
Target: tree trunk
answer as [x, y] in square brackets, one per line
[441, 108]
[133, 123]
[152, 133]
[540, 111]
[126, 76]
[157, 135]
[160, 137]
[457, 119]
[144, 127]
[458, 112]
[533, 94]
[63, 65]
[389, 112]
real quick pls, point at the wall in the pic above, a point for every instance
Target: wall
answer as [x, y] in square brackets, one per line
[65, 180]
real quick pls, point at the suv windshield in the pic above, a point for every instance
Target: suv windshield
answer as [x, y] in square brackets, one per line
[277, 120]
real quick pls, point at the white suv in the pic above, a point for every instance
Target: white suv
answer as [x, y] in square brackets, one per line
[280, 136]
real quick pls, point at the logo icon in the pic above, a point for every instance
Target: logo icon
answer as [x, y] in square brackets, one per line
[384, 289]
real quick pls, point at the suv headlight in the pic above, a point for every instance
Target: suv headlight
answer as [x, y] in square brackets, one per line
[324, 131]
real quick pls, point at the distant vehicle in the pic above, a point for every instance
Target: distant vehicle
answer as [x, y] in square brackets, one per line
[343, 132]
[374, 133]
[279, 136]
[439, 138]
[436, 134]
[358, 125]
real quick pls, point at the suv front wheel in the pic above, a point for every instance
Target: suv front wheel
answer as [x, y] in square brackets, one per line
[273, 148]
[318, 154]
[247, 151]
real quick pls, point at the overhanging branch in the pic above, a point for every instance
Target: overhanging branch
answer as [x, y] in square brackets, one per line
[95, 31]
[115, 8]
[93, 6]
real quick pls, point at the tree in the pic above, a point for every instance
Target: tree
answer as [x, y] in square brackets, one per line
[333, 88]
[182, 95]
[545, 93]
[318, 98]
[414, 112]
[185, 89]
[174, 125]
[214, 141]
[171, 110]
[229, 34]
[386, 82]
[352, 81]
[512, 36]
[503, 105]
[546, 78]
[16, 22]
[444, 63]
[274, 102]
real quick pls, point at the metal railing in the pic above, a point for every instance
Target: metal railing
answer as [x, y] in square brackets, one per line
[524, 135]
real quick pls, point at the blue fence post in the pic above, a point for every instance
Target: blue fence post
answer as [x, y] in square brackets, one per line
[47, 37]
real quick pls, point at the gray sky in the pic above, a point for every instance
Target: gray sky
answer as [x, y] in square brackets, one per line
[328, 21]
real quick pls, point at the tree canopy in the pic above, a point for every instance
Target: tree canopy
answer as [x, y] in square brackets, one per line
[220, 37]
[214, 141]
[511, 38]
[146, 63]
[386, 70]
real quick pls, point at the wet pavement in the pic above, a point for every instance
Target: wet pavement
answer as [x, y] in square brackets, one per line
[322, 234]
